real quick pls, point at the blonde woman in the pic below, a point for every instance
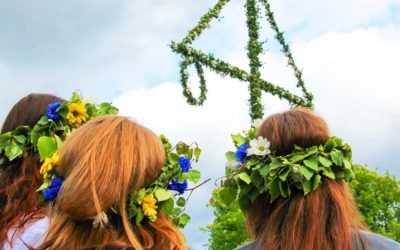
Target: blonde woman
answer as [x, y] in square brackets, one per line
[102, 163]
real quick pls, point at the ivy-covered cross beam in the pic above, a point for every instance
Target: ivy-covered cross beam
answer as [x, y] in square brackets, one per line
[254, 49]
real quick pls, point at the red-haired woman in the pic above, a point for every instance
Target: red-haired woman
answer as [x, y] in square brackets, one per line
[23, 220]
[326, 218]
[103, 164]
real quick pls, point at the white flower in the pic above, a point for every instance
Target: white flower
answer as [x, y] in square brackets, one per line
[256, 123]
[232, 164]
[259, 146]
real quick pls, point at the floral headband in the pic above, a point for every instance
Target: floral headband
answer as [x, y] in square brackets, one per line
[47, 135]
[253, 169]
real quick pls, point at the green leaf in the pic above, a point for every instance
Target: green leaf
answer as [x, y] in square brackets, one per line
[306, 172]
[283, 189]
[167, 206]
[182, 148]
[227, 195]
[316, 181]
[245, 177]
[275, 164]
[184, 220]
[283, 175]
[297, 157]
[139, 217]
[47, 146]
[197, 153]
[337, 157]
[162, 194]
[347, 163]
[20, 138]
[181, 202]
[194, 176]
[238, 139]
[45, 185]
[13, 151]
[274, 189]
[312, 163]
[327, 163]
[307, 186]
[43, 121]
[264, 170]
[173, 158]
[230, 156]
[328, 173]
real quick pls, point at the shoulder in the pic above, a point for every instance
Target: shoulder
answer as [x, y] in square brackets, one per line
[248, 246]
[381, 242]
[32, 235]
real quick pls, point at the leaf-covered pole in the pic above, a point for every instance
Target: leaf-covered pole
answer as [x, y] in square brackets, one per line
[254, 49]
[286, 50]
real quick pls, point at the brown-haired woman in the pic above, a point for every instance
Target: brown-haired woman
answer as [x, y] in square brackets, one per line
[22, 218]
[327, 218]
[102, 163]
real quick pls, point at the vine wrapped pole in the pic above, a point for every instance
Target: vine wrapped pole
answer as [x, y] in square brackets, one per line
[254, 49]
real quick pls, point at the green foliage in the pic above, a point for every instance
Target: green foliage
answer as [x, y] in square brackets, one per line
[281, 176]
[158, 190]
[254, 50]
[377, 197]
[229, 228]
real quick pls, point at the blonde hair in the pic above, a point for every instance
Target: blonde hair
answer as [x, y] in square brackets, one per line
[102, 162]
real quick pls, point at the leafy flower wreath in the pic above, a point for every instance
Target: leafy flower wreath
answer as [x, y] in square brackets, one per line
[47, 135]
[253, 170]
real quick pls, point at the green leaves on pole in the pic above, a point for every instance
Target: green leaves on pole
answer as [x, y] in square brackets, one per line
[198, 58]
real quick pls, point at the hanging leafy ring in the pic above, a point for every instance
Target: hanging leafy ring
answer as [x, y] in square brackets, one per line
[185, 79]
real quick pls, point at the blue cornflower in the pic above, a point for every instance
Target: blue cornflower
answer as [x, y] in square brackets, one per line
[51, 192]
[177, 186]
[52, 111]
[185, 164]
[241, 153]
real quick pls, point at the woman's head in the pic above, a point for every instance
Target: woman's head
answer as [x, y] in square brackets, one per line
[323, 219]
[19, 179]
[101, 163]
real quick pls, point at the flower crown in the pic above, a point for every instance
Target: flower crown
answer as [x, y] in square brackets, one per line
[173, 180]
[47, 135]
[254, 170]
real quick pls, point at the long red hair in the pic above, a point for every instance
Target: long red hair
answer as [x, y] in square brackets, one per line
[327, 218]
[101, 163]
[19, 179]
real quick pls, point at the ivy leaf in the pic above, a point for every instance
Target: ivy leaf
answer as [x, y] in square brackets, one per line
[45, 185]
[47, 147]
[312, 163]
[283, 189]
[245, 177]
[284, 174]
[194, 176]
[275, 164]
[264, 170]
[307, 173]
[347, 163]
[43, 121]
[182, 148]
[139, 217]
[162, 194]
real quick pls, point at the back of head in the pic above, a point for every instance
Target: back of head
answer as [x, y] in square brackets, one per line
[323, 219]
[19, 179]
[101, 163]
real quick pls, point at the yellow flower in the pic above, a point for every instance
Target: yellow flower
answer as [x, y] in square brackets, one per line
[48, 165]
[149, 206]
[77, 113]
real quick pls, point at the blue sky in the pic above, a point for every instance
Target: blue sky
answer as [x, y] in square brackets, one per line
[118, 51]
